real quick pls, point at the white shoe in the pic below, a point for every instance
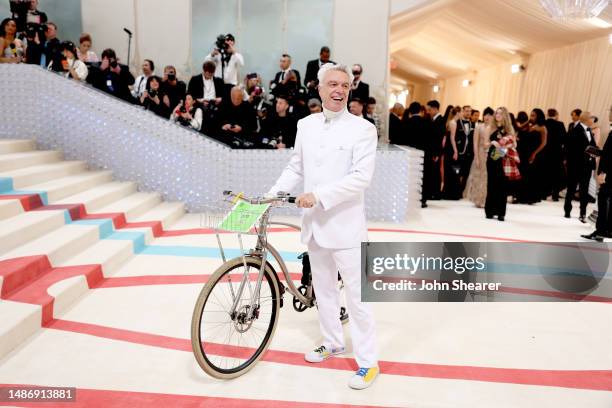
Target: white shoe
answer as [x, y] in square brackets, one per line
[321, 354]
[363, 378]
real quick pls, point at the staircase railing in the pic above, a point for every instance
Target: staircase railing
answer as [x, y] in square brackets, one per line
[160, 156]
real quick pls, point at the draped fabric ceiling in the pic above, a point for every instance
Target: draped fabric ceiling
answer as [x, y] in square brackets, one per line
[442, 42]
[438, 39]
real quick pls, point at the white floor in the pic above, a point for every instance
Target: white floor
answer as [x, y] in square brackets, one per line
[136, 338]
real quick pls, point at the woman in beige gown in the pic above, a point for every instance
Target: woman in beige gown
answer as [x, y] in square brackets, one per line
[476, 187]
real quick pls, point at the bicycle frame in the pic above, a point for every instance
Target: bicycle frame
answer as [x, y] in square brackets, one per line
[261, 250]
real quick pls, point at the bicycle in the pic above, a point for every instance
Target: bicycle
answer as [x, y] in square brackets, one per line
[245, 310]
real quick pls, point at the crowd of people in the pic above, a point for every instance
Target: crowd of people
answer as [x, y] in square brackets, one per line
[241, 114]
[528, 157]
[485, 156]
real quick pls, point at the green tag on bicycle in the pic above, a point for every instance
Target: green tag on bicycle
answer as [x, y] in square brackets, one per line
[243, 217]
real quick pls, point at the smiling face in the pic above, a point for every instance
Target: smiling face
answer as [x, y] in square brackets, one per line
[334, 90]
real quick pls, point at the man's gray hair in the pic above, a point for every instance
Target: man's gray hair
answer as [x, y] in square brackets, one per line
[334, 67]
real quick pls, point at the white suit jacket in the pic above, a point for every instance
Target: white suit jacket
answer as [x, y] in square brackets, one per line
[336, 162]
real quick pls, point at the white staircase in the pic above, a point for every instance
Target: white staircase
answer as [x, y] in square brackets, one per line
[40, 242]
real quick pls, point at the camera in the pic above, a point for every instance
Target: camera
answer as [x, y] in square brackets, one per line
[183, 109]
[220, 43]
[153, 93]
[33, 28]
[113, 63]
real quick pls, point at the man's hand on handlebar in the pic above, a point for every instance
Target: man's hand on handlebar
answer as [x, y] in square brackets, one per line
[306, 200]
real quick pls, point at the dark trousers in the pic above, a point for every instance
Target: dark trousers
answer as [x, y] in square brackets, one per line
[604, 206]
[497, 189]
[431, 178]
[577, 179]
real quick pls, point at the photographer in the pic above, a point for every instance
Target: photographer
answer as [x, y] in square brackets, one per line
[111, 77]
[227, 60]
[237, 121]
[252, 89]
[153, 97]
[12, 49]
[72, 67]
[26, 12]
[187, 114]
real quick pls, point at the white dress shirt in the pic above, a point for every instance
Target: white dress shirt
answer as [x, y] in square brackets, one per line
[587, 131]
[231, 68]
[209, 89]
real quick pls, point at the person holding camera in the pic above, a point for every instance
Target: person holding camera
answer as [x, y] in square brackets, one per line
[227, 60]
[111, 77]
[72, 67]
[188, 114]
[12, 50]
[153, 97]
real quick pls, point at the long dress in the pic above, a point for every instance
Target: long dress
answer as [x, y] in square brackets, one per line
[476, 187]
[497, 183]
[530, 189]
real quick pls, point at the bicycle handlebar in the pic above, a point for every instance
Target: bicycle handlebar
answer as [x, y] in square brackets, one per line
[280, 198]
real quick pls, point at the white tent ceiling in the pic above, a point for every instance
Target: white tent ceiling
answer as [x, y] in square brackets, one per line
[437, 39]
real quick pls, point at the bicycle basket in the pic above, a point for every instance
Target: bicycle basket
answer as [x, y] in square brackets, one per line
[239, 217]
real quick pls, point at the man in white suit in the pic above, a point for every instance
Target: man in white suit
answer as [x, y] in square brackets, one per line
[334, 157]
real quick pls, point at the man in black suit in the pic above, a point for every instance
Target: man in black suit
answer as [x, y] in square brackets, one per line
[282, 76]
[416, 132]
[437, 130]
[205, 87]
[575, 120]
[554, 154]
[359, 89]
[603, 227]
[579, 164]
[395, 123]
[312, 69]
[111, 77]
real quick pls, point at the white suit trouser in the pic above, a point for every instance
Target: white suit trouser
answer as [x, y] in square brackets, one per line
[325, 264]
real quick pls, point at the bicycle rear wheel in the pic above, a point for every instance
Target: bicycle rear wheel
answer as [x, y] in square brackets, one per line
[225, 345]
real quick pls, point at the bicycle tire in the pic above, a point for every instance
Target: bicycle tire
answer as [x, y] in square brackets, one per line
[196, 338]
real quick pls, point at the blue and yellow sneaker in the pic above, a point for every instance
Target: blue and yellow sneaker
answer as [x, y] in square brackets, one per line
[363, 378]
[321, 354]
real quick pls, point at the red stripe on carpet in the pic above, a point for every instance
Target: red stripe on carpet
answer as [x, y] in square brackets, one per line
[577, 379]
[29, 202]
[76, 211]
[147, 280]
[86, 397]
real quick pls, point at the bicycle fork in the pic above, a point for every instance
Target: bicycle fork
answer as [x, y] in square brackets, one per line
[246, 281]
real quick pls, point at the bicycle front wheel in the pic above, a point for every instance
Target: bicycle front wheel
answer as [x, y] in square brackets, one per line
[225, 344]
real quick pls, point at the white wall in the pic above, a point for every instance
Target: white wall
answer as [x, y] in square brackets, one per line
[361, 35]
[161, 28]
